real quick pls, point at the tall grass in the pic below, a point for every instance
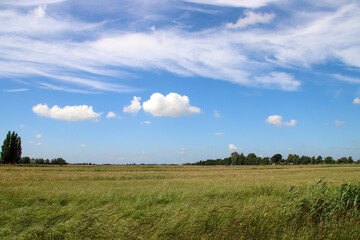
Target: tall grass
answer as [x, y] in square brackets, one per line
[179, 202]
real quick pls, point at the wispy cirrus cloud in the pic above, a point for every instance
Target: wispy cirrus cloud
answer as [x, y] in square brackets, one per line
[15, 90]
[250, 57]
[234, 3]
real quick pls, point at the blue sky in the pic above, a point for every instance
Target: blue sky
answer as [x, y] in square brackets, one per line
[174, 81]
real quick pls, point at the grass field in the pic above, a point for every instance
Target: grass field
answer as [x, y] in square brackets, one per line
[180, 202]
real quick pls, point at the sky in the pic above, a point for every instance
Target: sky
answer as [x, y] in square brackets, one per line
[175, 81]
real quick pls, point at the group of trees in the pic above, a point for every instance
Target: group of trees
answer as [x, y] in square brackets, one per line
[54, 161]
[11, 153]
[252, 159]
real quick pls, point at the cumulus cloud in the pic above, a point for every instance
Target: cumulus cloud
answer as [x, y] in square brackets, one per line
[251, 18]
[277, 121]
[171, 105]
[69, 113]
[356, 101]
[38, 135]
[134, 107]
[146, 122]
[111, 115]
[83, 145]
[339, 123]
[218, 133]
[232, 147]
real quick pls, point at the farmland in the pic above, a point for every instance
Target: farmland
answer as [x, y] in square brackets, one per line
[180, 202]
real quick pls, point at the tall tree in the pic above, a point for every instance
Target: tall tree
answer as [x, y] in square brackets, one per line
[11, 148]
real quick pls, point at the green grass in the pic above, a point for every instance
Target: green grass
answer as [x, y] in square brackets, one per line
[179, 202]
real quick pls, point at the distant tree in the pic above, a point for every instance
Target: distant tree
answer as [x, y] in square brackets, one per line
[276, 158]
[296, 159]
[329, 160]
[350, 160]
[250, 159]
[319, 160]
[242, 159]
[25, 160]
[305, 160]
[39, 161]
[235, 158]
[11, 149]
[265, 161]
[342, 160]
[313, 160]
[60, 161]
[290, 159]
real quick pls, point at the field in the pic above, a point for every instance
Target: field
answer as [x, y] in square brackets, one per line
[180, 202]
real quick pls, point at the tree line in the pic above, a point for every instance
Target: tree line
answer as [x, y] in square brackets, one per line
[292, 159]
[11, 153]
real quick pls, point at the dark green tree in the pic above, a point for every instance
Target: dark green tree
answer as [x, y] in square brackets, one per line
[289, 159]
[11, 148]
[276, 158]
[242, 159]
[25, 160]
[319, 160]
[235, 158]
[265, 161]
[329, 160]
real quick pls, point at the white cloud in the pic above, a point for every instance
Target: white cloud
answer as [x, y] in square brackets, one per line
[234, 3]
[182, 151]
[277, 121]
[39, 12]
[134, 107]
[281, 80]
[248, 58]
[38, 135]
[22, 125]
[146, 122]
[218, 133]
[217, 114]
[290, 149]
[35, 143]
[232, 147]
[29, 2]
[111, 115]
[251, 18]
[339, 123]
[16, 90]
[69, 113]
[346, 79]
[356, 101]
[83, 145]
[171, 105]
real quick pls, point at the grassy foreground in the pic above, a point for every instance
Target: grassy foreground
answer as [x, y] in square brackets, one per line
[180, 202]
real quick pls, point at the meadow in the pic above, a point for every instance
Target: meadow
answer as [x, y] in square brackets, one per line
[180, 202]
